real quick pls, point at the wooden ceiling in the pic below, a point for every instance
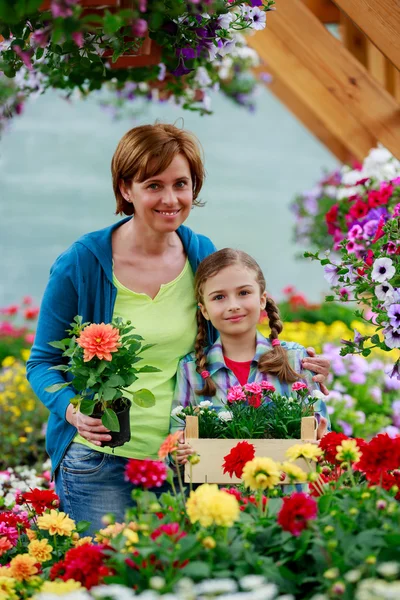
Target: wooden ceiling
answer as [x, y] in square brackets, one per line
[346, 91]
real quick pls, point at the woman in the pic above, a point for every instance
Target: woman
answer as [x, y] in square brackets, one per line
[141, 269]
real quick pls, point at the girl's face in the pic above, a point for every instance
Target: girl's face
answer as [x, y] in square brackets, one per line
[232, 300]
[163, 202]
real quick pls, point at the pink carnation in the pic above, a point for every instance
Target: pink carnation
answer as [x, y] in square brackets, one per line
[236, 394]
[253, 388]
[267, 386]
[298, 385]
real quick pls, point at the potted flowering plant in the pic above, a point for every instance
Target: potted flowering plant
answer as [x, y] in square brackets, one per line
[102, 365]
[253, 413]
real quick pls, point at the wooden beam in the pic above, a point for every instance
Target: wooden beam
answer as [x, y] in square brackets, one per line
[379, 20]
[325, 10]
[307, 117]
[376, 63]
[353, 39]
[334, 83]
[393, 81]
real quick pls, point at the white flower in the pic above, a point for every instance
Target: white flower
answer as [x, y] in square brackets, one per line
[259, 18]
[331, 274]
[114, 591]
[157, 582]
[225, 415]
[176, 412]
[353, 576]
[388, 569]
[350, 178]
[251, 582]
[215, 586]
[317, 394]
[205, 404]
[346, 192]
[228, 47]
[382, 269]
[202, 77]
[225, 20]
[384, 290]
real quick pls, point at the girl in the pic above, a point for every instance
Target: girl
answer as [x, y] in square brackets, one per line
[230, 291]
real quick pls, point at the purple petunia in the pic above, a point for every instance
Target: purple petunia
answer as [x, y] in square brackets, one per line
[394, 315]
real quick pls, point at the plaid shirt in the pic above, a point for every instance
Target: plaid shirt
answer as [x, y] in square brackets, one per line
[189, 380]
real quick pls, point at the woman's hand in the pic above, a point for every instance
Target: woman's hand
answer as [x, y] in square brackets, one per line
[91, 429]
[184, 450]
[320, 365]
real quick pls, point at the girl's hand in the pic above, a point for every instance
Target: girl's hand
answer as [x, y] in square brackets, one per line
[91, 429]
[322, 428]
[320, 365]
[184, 450]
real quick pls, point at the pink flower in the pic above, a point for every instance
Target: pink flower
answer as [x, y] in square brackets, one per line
[77, 36]
[267, 386]
[355, 232]
[10, 310]
[24, 56]
[298, 385]
[146, 473]
[253, 388]
[27, 300]
[99, 340]
[31, 313]
[172, 530]
[30, 338]
[139, 27]
[236, 394]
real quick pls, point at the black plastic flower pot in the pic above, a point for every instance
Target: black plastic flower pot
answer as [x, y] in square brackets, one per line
[121, 409]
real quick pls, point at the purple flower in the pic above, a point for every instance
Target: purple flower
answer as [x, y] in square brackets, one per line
[396, 372]
[392, 337]
[358, 378]
[256, 2]
[347, 428]
[394, 315]
[40, 37]
[376, 394]
[370, 228]
[181, 69]
[331, 274]
[258, 17]
[139, 27]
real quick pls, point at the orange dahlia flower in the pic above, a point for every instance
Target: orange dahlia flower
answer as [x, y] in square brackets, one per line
[99, 340]
[169, 445]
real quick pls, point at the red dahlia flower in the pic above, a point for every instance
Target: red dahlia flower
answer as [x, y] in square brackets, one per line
[40, 500]
[328, 444]
[172, 530]
[380, 455]
[296, 511]
[84, 563]
[234, 463]
[146, 473]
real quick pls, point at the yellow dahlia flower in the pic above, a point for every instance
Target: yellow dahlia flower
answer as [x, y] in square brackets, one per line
[56, 523]
[60, 588]
[22, 567]
[40, 550]
[7, 589]
[261, 473]
[348, 451]
[308, 451]
[211, 506]
[293, 472]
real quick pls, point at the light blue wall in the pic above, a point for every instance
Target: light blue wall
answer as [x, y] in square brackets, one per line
[55, 185]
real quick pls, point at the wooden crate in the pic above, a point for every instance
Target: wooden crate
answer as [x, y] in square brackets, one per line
[213, 451]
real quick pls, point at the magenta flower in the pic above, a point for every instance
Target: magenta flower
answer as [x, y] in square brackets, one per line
[253, 388]
[298, 385]
[267, 386]
[236, 394]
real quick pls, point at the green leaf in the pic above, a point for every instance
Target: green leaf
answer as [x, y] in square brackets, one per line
[108, 394]
[148, 369]
[110, 420]
[59, 368]
[197, 570]
[87, 406]
[115, 380]
[56, 387]
[60, 345]
[82, 526]
[366, 352]
[375, 339]
[144, 398]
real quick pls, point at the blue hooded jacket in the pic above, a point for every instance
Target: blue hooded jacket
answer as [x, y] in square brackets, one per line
[81, 284]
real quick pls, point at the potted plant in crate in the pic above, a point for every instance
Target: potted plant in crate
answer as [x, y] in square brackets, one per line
[100, 360]
[253, 413]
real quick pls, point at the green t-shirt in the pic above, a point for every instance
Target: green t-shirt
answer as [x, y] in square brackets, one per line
[169, 322]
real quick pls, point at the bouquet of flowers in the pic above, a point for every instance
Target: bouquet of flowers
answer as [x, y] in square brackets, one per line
[253, 411]
[101, 358]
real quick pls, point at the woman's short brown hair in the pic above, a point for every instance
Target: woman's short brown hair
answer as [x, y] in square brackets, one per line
[148, 150]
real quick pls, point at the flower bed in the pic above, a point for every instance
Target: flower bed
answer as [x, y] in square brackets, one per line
[338, 541]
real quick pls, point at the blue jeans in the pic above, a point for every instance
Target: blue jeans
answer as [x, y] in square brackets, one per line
[91, 484]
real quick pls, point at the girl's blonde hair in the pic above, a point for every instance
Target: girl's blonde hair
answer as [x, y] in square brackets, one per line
[148, 150]
[274, 361]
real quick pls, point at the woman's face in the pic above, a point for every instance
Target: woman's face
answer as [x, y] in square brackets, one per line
[163, 202]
